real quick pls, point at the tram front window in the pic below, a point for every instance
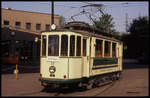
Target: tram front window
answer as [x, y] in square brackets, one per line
[78, 52]
[53, 45]
[84, 47]
[64, 45]
[44, 45]
[72, 45]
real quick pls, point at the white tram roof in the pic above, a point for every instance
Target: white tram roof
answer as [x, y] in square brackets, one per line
[85, 29]
[87, 34]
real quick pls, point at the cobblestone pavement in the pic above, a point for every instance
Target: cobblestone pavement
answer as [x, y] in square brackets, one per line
[134, 82]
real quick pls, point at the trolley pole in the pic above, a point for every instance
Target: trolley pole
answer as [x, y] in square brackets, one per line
[52, 16]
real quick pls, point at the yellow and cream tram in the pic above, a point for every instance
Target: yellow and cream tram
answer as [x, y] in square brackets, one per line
[79, 57]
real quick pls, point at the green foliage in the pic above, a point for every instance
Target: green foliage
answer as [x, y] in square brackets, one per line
[105, 23]
[117, 35]
[138, 39]
[139, 27]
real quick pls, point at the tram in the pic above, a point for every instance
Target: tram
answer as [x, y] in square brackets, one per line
[72, 56]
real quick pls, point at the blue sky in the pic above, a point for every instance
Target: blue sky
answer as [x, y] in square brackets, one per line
[118, 10]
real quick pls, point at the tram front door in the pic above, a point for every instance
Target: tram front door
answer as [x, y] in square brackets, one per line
[85, 57]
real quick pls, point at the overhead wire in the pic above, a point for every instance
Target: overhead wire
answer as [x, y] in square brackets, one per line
[94, 10]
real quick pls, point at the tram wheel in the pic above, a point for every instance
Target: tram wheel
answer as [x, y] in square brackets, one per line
[118, 76]
[90, 85]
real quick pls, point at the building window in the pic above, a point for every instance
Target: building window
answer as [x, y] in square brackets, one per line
[38, 26]
[64, 45]
[44, 45]
[6, 23]
[107, 49]
[98, 48]
[18, 24]
[47, 27]
[84, 47]
[53, 45]
[113, 49]
[28, 26]
[78, 48]
[72, 45]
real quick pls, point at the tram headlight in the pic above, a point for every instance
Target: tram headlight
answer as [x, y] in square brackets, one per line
[52, 69]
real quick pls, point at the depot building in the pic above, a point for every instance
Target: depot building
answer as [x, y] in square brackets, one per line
[18, 31]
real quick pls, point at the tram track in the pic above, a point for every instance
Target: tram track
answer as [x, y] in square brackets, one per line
[108, 87]
[105, 89]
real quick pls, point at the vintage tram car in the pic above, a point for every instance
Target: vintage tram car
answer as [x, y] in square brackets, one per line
[76, 55]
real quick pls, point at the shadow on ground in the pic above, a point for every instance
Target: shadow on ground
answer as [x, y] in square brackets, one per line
[64, 90]
[134, 65]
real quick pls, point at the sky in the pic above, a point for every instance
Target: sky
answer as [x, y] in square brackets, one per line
[118, 10]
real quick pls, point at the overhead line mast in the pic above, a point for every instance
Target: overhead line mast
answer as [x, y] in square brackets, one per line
[52, 9]
[53, 26]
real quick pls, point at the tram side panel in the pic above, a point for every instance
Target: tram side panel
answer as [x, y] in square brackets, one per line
[75, 68]
[100, 69]
[98, 66]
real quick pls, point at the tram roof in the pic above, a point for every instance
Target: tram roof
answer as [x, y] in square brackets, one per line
[87, 33]
[86, 29]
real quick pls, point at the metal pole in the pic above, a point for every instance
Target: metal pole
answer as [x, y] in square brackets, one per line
[17, 71]
[52, 17]
[126, 22]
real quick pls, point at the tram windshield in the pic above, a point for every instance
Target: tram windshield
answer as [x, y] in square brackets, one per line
[53, 45]
[62, 45]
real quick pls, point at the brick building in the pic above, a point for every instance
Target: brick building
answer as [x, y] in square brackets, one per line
[25, 21]
[18, 30]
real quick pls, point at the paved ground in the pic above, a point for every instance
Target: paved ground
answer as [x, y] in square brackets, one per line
[134, 82]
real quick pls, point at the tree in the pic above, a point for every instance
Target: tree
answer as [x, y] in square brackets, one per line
[116, 34]
[105, 23]
[138, 40]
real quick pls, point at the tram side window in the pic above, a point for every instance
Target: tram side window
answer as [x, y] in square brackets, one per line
[113, 49]
[98, 48]
[44, 45]
[78, 48]
[64, 45]
[107, 49]
[72, 45]
[84, 47]
[53, 45]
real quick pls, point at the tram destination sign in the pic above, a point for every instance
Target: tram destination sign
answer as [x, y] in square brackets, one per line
[54, 59]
